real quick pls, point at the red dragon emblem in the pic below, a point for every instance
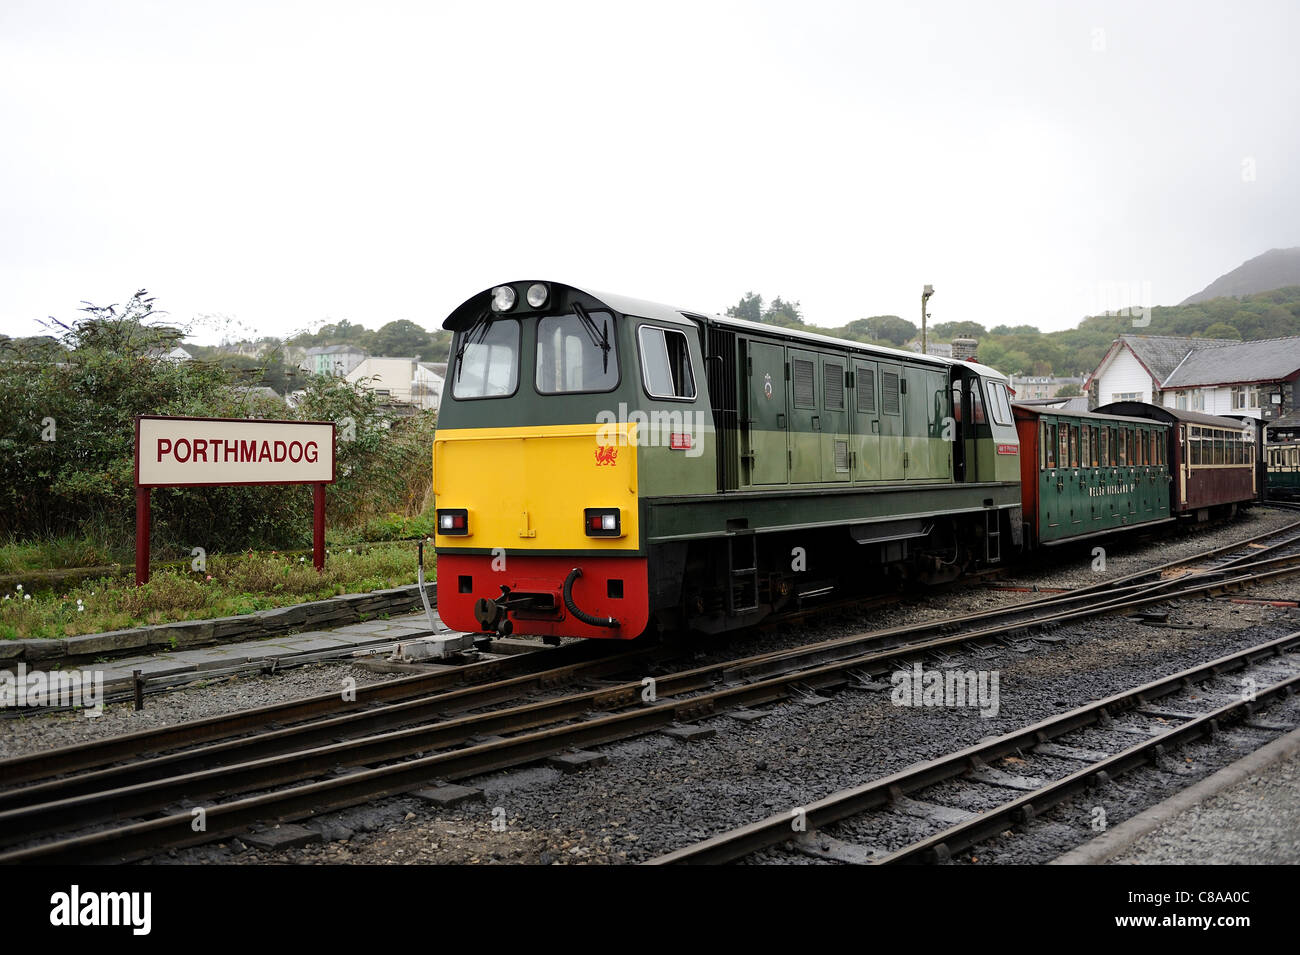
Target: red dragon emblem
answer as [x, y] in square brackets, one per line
[606, 454]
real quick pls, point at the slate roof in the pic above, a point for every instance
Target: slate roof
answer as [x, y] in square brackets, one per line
[1162, 354]
[1270, 359]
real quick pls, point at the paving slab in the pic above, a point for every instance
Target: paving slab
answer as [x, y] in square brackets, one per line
[267, 648]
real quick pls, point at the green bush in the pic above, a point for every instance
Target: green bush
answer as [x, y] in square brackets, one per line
[67, 445]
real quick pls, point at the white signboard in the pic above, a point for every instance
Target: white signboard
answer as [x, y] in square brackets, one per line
[187, 451]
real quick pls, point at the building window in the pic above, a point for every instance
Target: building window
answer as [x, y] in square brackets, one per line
[1181, 401]
[1245, 398]
[1126, 396]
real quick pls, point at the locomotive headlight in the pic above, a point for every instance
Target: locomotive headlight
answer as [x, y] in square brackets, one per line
[537, 293]
[454, 522]
[602, 522]
[503, 298]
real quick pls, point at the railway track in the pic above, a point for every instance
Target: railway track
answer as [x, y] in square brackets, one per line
[402, 735]
[1165, 713]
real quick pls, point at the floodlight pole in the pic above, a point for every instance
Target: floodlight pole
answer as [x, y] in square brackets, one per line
[925, 297]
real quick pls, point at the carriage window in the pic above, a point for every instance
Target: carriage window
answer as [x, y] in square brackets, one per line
[1141, 447]
[569, 358]
[1063, 445]
[1123, 446]
[488, 362]
[666, 363]
[1049, 445]
[1074, 446]
[1104, 441]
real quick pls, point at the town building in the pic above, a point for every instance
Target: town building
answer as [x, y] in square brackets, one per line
[337, 360]
[1210, 375]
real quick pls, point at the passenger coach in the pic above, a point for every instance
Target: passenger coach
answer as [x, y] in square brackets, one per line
[1087, 474]
[603, 462]
[1213, 459]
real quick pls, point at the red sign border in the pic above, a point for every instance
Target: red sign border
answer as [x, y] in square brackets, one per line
[334, 457]
[142, 491]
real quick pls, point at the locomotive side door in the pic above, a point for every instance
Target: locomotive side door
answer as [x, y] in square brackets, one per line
[958, 440]
[891, 421]
[971, 427]
[834, 419]
[806, 417]
[866, 421]
[765, 451]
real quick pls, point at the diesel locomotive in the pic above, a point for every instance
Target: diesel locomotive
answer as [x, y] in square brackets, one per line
[605, 465]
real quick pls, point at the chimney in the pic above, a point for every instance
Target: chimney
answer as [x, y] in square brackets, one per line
[964, 348]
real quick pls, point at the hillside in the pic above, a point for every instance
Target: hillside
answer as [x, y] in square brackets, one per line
[1276, 268]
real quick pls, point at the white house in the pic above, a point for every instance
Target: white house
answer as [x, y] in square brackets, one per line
[1212, 375]
[426, 383]
[404, 380]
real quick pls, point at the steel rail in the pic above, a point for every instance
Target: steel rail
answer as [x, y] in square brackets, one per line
[879, 793]
[140, 839]
[388, 717]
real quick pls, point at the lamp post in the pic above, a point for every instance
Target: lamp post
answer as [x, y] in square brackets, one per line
[925, 297]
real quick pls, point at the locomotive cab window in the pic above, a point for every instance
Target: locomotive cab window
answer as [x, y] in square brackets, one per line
[576, 356]
[666, 363]
[999, 404]
[487, 360]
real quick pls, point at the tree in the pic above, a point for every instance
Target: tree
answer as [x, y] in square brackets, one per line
[1222, 330]
[951, 330]
[887, 328]
[750, 308]
[781, 312]
[401, 339]
[1069, 391]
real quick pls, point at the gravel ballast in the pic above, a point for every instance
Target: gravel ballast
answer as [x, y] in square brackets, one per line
[656, 793]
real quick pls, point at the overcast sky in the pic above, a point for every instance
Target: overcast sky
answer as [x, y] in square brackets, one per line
[285, 163]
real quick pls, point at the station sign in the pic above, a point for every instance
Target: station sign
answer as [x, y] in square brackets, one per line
[184, 452]
[193, 452]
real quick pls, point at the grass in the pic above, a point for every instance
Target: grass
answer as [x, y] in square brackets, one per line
[233, 584]
[58, 554]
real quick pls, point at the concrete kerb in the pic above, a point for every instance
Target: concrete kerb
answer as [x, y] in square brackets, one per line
[1123, 836]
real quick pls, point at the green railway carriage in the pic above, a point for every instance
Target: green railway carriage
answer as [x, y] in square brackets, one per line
[603, 463]
[1283, 470]
[1083, 474]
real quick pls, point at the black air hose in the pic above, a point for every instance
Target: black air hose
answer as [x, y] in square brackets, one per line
[573, 608]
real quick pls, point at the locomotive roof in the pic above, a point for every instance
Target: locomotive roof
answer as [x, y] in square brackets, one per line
[465, 313]
[1160, 413]
[1033, 411]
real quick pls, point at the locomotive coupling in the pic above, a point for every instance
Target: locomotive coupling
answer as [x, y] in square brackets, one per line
[492, 614]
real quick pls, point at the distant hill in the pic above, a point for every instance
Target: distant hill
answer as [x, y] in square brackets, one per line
[1276, 268]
